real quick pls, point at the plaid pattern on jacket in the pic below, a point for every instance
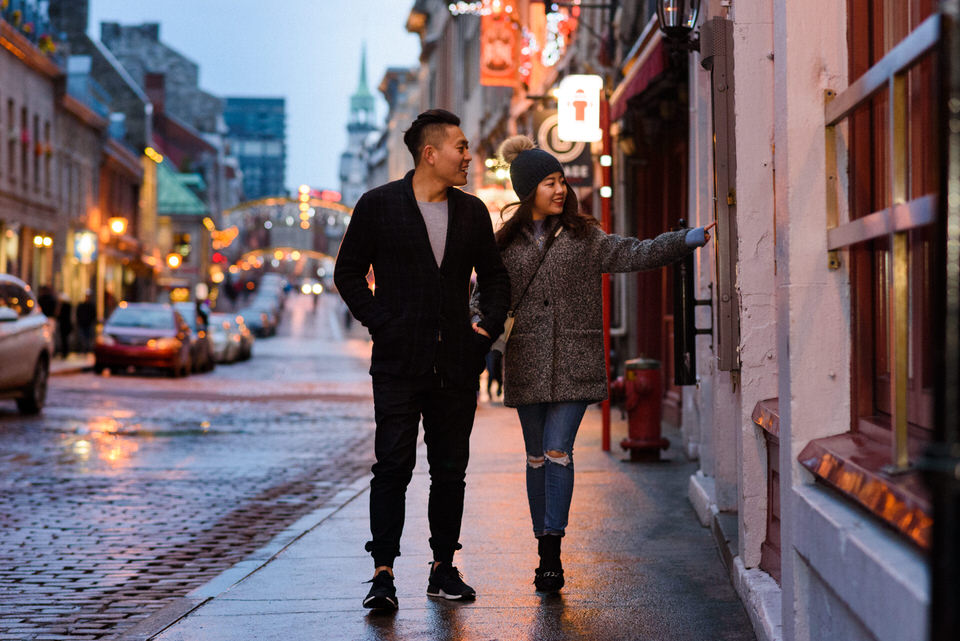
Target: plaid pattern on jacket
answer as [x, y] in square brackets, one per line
[418, 314]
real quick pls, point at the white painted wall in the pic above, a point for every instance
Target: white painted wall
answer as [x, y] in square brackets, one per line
[813, 303]
[753, 71]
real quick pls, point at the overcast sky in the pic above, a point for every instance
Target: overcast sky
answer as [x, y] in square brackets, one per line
[307, 51]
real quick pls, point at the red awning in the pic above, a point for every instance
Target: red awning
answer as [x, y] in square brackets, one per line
[650, 63]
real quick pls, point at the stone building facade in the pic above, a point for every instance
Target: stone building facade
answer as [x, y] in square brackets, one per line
[32, 241]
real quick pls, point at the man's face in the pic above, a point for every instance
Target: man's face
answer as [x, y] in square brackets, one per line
[451, 157]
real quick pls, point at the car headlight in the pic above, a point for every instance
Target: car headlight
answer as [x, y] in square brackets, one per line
[166, 343]
[106, 340]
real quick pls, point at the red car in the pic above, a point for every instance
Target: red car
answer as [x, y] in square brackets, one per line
[144, 335]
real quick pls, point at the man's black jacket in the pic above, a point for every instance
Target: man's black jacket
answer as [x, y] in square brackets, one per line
[419, 314]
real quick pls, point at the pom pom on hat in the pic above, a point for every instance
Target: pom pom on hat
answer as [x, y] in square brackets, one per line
[512, 146]
[528, 165]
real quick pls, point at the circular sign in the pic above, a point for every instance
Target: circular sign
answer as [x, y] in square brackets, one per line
[549, 140]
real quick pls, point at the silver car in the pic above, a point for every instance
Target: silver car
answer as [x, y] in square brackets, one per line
[26, 346]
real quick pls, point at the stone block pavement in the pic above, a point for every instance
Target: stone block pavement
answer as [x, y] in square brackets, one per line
[638, 564]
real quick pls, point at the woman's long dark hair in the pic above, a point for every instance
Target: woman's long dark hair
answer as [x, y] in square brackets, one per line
[572, 219]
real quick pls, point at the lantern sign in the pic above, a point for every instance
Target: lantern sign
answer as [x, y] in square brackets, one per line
[579, 108]
[85, 247]
[499, 48]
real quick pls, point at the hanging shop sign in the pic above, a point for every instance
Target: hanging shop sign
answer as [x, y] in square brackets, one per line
[85, 247]
[574, 156]
[499, 48]
[578, 103]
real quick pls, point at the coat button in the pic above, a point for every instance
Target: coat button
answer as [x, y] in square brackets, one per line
[546, 303]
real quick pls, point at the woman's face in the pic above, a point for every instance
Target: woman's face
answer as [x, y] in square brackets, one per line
[550, 196]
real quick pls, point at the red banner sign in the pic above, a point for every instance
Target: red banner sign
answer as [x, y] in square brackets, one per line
[499, 50]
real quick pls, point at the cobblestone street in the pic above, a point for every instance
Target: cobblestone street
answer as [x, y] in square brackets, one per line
[131, 490]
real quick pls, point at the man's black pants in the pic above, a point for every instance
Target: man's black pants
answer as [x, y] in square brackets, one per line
[447, 413]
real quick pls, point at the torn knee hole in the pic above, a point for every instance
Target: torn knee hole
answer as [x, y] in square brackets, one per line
[558, 457]
[535, 461]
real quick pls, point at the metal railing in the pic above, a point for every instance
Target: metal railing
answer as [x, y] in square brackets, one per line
[899, 218]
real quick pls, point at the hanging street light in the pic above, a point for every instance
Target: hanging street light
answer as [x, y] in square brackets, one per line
[677, 20]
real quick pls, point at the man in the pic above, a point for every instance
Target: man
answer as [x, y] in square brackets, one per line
[423, 239]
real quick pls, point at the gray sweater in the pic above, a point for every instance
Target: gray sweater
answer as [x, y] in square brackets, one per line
[555, 352]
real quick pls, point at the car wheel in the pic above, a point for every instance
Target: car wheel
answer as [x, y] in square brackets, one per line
[98, 368]
[35, 393]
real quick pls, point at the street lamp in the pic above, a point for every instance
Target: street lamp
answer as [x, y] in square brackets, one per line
[117, 224]
[677, 20]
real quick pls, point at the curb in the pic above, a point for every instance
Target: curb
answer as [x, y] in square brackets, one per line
[61, 368]
[182, 607]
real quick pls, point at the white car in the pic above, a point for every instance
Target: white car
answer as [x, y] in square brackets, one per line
[26, 346]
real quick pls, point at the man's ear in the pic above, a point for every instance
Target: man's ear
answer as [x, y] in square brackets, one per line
[429, 154]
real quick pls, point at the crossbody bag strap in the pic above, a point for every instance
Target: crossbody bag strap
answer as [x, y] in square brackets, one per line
[543, 256]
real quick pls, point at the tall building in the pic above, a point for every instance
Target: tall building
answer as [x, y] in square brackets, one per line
[180, 106]
[353, 164]
[256, 133]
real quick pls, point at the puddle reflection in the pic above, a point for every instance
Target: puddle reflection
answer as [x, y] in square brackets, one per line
[101, 438]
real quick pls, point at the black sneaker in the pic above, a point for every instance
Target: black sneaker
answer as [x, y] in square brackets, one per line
[382, 594]
[447, 582]
[549, 581]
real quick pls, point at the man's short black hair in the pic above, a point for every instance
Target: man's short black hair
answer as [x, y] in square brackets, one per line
[426, 129]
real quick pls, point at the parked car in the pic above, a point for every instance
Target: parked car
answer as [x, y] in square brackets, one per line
[226, 338]
[258, 321]
[246, 338]
[144, 335]
[201, 347]
[237, 325]
[273, 315]
[26, 346]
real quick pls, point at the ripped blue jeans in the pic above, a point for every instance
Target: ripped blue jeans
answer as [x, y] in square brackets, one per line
[550, 429]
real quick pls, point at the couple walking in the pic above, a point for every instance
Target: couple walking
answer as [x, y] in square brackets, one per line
[424, 238]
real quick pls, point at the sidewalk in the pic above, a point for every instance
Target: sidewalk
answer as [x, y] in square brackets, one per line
[72, 364]
[638, 564]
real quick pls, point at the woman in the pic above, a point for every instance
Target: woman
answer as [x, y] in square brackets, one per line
[554, 361]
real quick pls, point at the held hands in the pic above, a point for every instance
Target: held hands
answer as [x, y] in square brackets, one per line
[480, 330]
[699, 236]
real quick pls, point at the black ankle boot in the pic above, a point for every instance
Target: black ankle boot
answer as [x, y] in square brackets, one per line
[549, 576]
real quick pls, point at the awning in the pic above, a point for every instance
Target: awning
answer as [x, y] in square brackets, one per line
[647, 65]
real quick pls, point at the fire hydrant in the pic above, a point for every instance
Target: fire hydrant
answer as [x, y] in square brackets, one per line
[641, 390]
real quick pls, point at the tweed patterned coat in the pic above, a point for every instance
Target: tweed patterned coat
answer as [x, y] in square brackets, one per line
[555, 351]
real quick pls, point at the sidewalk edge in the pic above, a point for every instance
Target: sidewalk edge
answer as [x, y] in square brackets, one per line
[184, 606]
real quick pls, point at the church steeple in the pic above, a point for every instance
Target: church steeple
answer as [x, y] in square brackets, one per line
[362, 101]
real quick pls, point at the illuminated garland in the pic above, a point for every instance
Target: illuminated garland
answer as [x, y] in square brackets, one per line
[480, 8]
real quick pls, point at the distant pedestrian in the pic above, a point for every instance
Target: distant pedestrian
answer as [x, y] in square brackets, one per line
[423, 238]
[554, 359]
[48, 302]
[64, 326]
[86, 322]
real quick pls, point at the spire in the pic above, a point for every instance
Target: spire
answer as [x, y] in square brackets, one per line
[362, 102]
[362, 90]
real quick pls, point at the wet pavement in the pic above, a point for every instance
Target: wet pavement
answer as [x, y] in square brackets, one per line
[638, 564]
[132, 490]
